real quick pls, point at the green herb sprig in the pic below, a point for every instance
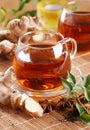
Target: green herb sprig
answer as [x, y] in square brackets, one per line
[74, 90]
[15, 12]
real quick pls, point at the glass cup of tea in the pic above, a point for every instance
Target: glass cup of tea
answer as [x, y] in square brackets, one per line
[48, 12]
[41, 59]
[75, 22]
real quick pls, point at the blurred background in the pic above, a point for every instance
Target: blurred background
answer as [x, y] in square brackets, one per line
[9, 4]
[6, 7]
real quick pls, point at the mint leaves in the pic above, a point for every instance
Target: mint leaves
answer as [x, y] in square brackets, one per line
[21, 6]
[74, 90]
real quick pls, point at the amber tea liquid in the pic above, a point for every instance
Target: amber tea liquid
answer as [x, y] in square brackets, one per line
[39, 69]
[77, 26]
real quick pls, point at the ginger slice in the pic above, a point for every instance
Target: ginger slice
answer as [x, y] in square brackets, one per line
[14, 100]
[24, 102]
[32, 107]
[21, 101]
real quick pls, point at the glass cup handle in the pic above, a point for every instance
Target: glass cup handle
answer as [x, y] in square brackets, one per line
[73, 48]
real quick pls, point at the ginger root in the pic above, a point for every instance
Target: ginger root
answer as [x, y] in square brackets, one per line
[20, 26]
[8, 35]
[15, 99]
[15, 28]
[21, 101]
[7, 48]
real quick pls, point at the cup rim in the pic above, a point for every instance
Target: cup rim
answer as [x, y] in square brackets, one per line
[83, 1]
[34, 47]
[75, 12]
[73, 2]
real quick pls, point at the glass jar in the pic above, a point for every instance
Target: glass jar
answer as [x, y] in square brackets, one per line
[75, 22]
[49, 12]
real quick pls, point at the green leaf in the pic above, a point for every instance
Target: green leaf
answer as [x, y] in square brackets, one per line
[71, 78]
[31, 13]
[66, 84]
[21, 6]
[79, 108]
[87, 93]
[85, 118]
[74, 8]
[27, 1]
[4, 14]
[87, 81]
[69, 95]
[24, 1]
[13, 11]
[36, 0]
[78, 88]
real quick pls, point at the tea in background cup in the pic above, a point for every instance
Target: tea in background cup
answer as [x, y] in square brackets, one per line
[41, 58]
[75, 22]
[49, 12]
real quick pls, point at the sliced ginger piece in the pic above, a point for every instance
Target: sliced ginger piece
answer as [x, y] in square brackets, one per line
[33, 108]
[21, 101]
[26, 103]
[14, 100]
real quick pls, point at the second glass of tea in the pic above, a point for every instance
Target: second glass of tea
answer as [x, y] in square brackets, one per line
[75, 22]
[41, 59]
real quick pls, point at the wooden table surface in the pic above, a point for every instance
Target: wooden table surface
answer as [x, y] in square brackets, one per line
[17, 120]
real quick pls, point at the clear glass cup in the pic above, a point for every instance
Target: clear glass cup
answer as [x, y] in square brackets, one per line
[75, 22]
[41, 58]
[49, 12]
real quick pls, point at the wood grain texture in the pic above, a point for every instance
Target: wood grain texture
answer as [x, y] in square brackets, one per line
[17, 120]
